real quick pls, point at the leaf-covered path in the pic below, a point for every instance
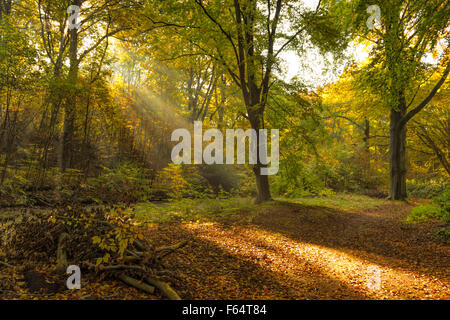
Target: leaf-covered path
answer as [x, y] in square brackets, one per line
[293, 251]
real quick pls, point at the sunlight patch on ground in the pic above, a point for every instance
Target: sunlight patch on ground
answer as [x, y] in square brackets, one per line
[305, 264]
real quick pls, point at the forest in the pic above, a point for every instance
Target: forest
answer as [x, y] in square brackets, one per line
[224, 149]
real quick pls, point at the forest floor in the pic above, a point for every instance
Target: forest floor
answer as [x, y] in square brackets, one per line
[312, 248]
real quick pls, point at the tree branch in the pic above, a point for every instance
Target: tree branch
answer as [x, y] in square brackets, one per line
[424, 103]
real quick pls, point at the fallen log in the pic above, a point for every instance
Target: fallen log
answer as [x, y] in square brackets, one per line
[115, 267]
[6, 264]
[172, 247]
[164, 288]
[164, 251]
[136, 283]
[139, 245]
[61, 255]
[136, 254]
[130, 259]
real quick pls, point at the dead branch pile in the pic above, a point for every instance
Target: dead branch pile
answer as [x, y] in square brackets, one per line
[106, 241]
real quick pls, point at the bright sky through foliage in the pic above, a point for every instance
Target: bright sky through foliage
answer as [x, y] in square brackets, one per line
[312, 67]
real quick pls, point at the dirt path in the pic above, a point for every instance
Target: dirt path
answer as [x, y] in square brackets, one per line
[298, 252]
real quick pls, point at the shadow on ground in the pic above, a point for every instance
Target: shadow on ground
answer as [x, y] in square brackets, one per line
[294, 251]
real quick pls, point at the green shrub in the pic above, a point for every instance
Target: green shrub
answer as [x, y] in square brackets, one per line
[12, 191]
[299, 180]
[443, 200]
[220, 177]
[181, 181]
[439, 211]
[423, 213]
[426, 190]
[125, 183]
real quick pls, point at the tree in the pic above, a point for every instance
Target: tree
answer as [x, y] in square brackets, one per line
[357, 114]
[245, 38]
[17, 79]
[409, 30]
[96, 24]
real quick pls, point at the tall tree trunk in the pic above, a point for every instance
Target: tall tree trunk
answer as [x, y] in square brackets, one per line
[366, 150]
[262, 181]
[397, 156]
[262, 185]
[399, 119]
[70, 105]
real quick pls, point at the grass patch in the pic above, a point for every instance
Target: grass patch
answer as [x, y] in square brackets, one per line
[242, 209]
[198, 210]
[345, 202]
